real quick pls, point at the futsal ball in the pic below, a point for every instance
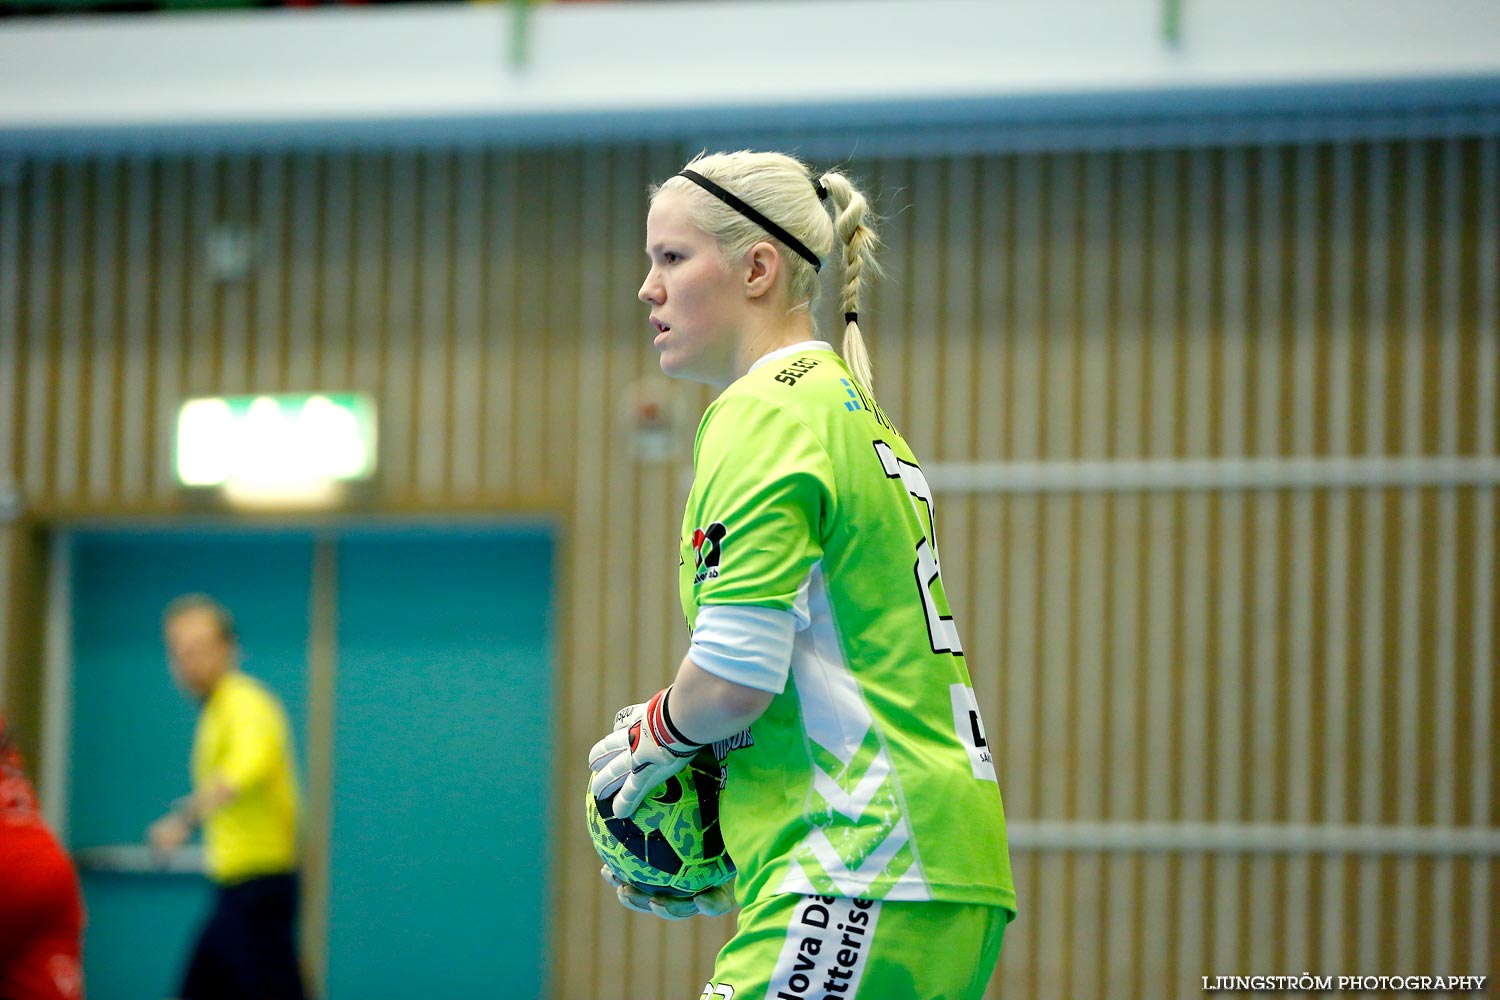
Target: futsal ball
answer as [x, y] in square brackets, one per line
[671, 845]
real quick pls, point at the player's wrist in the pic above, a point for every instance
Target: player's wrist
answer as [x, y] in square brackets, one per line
[665, 729]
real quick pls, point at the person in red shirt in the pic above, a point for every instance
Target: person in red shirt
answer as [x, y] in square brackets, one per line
[41, 907]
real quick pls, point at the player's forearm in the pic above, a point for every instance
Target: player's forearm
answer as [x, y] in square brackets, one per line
[205, 801]
[706, 708]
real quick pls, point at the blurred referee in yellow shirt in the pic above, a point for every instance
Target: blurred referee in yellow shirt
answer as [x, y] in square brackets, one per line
[245, 798]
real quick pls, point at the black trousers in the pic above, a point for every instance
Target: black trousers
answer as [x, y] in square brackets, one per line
[247, 950]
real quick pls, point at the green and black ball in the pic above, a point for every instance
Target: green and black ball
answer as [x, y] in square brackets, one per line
[671, 845]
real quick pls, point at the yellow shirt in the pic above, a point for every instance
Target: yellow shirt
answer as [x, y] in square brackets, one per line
[244, 740]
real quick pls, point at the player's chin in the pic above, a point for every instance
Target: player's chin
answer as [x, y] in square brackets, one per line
[673, 364]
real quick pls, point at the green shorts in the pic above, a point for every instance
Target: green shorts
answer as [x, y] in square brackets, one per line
[790, 947]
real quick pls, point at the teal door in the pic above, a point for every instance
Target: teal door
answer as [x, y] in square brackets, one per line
[441, 760]
[442, 697]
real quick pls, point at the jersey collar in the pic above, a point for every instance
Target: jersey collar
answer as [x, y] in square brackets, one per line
[777, 355]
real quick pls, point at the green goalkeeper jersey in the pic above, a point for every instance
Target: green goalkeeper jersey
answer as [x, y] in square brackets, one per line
[870, 774]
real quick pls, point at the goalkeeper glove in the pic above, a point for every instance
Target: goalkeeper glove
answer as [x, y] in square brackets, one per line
[713, 902]
[644, 750]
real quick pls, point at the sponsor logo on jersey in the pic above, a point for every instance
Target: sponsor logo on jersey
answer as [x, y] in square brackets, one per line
[826, 949]
[853, 402]
[717, 991]
[793, 372]
[739, 741]
[969, 728]
[860, 401]
[723, 748]
[708, 546]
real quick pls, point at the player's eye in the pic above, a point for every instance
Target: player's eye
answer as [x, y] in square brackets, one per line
[671, 256]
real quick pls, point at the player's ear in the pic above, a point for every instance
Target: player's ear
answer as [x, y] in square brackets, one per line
[762, 265]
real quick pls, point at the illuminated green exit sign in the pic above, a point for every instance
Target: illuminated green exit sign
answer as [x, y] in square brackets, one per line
[276, 447]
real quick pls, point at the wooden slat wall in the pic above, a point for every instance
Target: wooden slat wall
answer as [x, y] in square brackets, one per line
[1321, 656]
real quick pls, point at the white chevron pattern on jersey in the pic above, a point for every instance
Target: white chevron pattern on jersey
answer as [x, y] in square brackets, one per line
[836, 718]
[853, 804]
[856, 882]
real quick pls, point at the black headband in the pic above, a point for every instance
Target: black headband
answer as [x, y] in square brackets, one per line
[739, 206]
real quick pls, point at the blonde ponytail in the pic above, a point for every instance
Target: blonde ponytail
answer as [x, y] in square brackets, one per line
[854, 230]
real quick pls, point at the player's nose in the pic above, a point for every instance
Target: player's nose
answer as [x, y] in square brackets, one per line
[651, 291]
